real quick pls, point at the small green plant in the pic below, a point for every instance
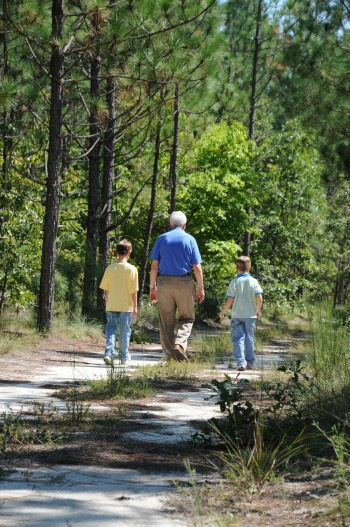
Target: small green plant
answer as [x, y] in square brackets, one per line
[288, 393]
[16, 431]
[240, 414]
[118, 384]
[77, 411]
[338, 438]
[251, 468]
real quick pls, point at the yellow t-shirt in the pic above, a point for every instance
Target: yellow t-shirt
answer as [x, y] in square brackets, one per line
[121, 281]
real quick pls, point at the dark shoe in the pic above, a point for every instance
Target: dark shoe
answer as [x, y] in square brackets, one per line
[179, 353]
[241, 368]
[250, 367]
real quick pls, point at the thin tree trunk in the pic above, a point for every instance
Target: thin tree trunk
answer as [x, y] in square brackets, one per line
[54, 165]
[89, 283]
[174, 152]
[107, 186]
[150, 219]
[3, 290]
[252, 112]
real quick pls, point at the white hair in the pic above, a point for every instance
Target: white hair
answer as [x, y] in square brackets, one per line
[177, 219]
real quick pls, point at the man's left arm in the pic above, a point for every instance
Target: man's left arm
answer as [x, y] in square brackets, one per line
[197, 269]
[259, 303]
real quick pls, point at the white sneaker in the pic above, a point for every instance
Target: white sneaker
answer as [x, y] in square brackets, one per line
[126, 362]
[109, 359]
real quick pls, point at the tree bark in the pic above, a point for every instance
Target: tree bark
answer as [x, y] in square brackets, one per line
[89, 283]
[54, 165]
[107, 186]
[150, 219]
[252, 112]
[174, 152]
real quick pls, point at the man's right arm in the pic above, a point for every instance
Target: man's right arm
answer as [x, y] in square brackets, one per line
[153, 281]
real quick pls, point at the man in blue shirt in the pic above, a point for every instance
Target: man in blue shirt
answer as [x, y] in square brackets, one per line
[174, 255]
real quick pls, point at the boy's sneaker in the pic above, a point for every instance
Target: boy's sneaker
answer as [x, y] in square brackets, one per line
[109, 359]
[241, 368]
[250, 367]
[126, 362]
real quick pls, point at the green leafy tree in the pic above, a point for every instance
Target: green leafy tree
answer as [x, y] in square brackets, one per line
[290, 215]
[216, 182]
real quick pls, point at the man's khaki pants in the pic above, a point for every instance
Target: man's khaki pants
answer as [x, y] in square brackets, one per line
[175, 293]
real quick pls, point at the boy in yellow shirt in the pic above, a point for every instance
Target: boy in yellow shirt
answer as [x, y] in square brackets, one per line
[120, 284]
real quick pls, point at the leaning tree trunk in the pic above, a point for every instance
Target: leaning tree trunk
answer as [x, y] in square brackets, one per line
[89, 283]
[152, 207]
[54, 165]
[107, 186]
[252, 112]
[174, 152]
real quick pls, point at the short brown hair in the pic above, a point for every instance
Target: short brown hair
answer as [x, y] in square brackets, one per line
[243, 264]
[124, 247]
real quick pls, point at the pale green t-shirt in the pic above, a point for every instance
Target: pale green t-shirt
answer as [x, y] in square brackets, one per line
[244, 289]
[121, 281]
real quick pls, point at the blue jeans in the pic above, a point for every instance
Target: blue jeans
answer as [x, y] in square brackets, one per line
[242, 336]
[118, 322]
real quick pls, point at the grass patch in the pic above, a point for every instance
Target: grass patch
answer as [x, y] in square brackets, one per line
[171, 370]
[327, 356]
[77, 328]
[117, 385]
[17, 331]
[250, 469]
[212, 349]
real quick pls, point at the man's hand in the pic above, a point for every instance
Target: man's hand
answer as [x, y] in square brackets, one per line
[153, 295]
[200, 294]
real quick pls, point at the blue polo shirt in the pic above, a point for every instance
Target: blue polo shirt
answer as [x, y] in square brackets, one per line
[176, 251]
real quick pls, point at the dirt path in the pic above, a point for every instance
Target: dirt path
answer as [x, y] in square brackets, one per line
[123, 472]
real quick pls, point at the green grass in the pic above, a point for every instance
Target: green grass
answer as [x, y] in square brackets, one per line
[328, 360]
[171, 370]
[117, 385]
[77, 328]
[211, 349]
[17, 331]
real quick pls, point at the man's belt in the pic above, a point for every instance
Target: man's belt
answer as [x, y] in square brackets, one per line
[175, 275]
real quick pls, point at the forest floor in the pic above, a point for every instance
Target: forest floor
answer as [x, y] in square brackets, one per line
[126, 466]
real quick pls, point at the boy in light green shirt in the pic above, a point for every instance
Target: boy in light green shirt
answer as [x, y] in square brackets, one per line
[244, 294]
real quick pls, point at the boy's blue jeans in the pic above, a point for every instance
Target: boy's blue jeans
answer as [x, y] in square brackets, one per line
[242, 336]
[118, 321]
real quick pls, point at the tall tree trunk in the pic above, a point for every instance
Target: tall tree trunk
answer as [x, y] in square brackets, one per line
[252, 111]
[150, 219]
[174, 152]
[54, 165]
[3, 39]
[89, 284]
[107, 186]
